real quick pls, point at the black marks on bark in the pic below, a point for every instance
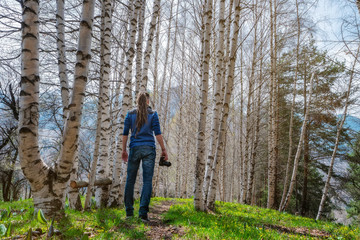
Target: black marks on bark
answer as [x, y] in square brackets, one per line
[28, 10]
[72, 105]
[29, 35]
[26, 130]
[84, 23]
[50, 180]
[23, 93]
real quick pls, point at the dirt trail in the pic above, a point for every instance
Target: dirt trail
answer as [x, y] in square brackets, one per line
[159, 230]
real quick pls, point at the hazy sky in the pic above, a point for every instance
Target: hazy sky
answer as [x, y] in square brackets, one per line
[331, 17]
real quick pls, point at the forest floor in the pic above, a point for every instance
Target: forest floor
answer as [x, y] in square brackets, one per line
[170, 219]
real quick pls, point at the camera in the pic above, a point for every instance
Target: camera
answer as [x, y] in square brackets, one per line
[162, 162]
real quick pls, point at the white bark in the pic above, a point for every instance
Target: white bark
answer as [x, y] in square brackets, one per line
[64, 82]
[201, 154]
[273, 129]
[101, 194]
[217, 100]
[292, 109]
[117, 162]
[118, 188]
[225, 107]
[148, 50]
[73, 194]
[298, 151]
[139, 46]
[94, 163]
[49, 184]
[338, 133]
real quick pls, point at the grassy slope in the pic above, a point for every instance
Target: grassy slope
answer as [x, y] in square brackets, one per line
[232, 221]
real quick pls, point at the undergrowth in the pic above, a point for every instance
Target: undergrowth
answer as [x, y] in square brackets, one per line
[230, 221]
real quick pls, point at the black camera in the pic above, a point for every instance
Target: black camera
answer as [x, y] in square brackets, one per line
[162, 162]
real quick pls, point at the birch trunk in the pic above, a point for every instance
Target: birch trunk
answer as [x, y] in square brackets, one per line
[338, 133]
[249, 161]
[272, 111]
[94, 163]
[292, 109]
[242, 168]
[102, 194]
[217, 97]
[127, 99]
[200, 156]
[114, 200]
[166, 60]
[64, 82]
[139, 46]
[225, 108]
[48, 185]
[154, 19]
[73, 194]
[298, 151]
[250, 185]
[156, 60]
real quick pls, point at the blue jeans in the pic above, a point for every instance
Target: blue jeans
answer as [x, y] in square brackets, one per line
[147, 155]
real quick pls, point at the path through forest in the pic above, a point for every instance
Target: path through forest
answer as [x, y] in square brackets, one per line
[159, 229]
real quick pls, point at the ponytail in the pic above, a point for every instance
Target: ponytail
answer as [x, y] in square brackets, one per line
[142, 113]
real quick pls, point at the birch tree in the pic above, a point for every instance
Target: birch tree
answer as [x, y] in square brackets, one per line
[200, 155]
[49, 184]
[298, 151]
[287, 173]
[116, 195]
[272, 110]
[101, 195]
[148, 50]
[217, 100]
[338, 133]
[225, 106]
[60, 30]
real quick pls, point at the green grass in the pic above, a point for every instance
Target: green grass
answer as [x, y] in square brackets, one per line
[236, 221]
[108, 223]
[231, 221]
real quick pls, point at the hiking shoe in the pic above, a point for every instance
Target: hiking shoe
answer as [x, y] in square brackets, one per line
[128, 217]
[144, 219]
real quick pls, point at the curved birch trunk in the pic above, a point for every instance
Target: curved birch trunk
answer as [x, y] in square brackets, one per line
[49, 185]
[200, 156]
[298, 151]
[225, 108]
[338, 133]
[29, 151]
[73, 194]
[102, 193]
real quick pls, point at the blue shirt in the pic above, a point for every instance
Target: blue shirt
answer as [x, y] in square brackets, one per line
[146, 134]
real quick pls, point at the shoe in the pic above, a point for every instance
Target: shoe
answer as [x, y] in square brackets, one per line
[144, 219]
[128, 217]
